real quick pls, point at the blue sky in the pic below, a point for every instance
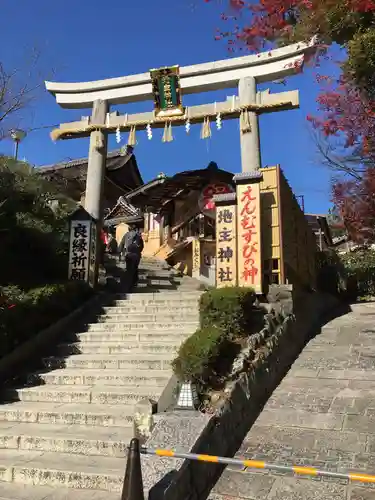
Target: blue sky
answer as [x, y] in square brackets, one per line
[92, 40]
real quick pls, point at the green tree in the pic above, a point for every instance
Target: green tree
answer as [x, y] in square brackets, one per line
[34, 237]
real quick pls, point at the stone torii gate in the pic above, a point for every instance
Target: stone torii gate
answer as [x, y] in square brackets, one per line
[242, 72]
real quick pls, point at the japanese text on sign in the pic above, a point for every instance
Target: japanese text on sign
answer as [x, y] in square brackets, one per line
[79, 250]
[196, 255]
[249, 234]
[93, 251]
[226, 272]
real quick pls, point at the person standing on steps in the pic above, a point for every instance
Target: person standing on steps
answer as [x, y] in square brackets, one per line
[130, 248]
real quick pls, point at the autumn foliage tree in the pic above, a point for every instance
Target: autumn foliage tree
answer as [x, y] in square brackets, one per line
[355, 200]
[347, 104]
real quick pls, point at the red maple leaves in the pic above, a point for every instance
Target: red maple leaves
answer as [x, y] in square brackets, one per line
[345, 110]
[355, 201]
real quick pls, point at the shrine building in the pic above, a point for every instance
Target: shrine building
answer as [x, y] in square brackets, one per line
[179, 221]
[178, 217]
[122, 175]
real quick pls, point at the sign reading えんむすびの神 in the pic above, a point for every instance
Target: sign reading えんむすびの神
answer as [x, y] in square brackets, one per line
[249, 242]
[166, 91]
[226, 251]
[79, 251]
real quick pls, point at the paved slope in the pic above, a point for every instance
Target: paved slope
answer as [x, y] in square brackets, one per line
[322, 414]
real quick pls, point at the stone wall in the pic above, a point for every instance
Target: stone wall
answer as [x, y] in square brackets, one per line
[257, 371]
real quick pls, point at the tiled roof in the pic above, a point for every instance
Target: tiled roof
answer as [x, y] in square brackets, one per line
[121, 211]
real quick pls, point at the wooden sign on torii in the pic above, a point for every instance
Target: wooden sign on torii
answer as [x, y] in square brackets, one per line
[242, 72]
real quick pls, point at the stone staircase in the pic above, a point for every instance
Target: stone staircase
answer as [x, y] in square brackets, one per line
[70, 425]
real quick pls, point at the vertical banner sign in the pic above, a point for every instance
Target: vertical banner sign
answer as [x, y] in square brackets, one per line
[196, 265]
[249, 236]
[93, 247]
[79, 251]
[226, 248]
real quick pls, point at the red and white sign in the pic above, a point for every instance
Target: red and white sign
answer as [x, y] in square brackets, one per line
[206, 203]
[249, 241]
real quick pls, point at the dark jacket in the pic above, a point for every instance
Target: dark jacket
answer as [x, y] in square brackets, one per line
[126, 241]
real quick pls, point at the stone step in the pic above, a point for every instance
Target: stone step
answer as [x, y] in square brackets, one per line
[177, 326]
[157, 310]
[162, 283]
[111, 361]
[75, 439]
[112, 347]
[60, 469]
[67, 414]
[155, 302]
[165, 295]
[140, 336]
[151, 289]
[150, 318]
[106, 395]
[157, 378]
[17, 491]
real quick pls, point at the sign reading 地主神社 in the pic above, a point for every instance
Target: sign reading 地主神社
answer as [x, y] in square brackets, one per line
[226, 247]
[79, 251]
[249, 237]
[196, 268]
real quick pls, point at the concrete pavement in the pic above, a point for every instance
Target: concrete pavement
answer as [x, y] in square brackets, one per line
[322, 414]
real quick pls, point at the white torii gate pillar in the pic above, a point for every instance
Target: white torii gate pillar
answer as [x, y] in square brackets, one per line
[250, 140]
[96, 163]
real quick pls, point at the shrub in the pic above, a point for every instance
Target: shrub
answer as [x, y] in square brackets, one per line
[229, 309]
[360, 268]
[196, 353]
[331, 273]
[226, 315]
[36, 309]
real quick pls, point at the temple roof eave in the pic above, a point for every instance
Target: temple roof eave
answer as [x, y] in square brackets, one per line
[157, 193]
[122, 173]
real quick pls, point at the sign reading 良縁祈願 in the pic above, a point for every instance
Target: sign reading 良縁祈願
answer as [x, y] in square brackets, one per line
[82, 248]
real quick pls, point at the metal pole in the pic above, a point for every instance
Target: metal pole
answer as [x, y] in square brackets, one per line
[133, 483]
[16, 144]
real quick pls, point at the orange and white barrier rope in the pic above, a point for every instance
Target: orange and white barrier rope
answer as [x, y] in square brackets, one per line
[256, 464]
